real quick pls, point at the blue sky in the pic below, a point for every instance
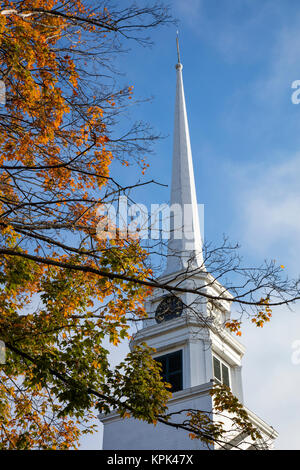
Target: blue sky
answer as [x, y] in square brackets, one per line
[240, 58]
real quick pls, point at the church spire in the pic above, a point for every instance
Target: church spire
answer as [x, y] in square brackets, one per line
[187, 249]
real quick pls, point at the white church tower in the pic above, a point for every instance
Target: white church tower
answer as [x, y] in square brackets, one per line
[186, 330]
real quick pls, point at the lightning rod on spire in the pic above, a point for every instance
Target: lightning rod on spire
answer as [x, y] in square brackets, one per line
[177, 43]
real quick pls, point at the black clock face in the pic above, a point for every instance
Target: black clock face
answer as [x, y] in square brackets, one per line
[170, 307]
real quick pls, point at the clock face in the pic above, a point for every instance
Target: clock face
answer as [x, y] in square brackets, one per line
[170, 307]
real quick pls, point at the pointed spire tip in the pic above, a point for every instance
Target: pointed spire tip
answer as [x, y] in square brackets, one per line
[178, 66]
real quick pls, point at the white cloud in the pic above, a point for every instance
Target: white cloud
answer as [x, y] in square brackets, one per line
[268, 207]
[271, 381]
[267, 216]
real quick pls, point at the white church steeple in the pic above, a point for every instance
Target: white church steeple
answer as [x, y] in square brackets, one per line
[185, 246]
[186, 330]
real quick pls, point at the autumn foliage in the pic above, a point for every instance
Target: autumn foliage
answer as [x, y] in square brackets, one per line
[55, 155]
